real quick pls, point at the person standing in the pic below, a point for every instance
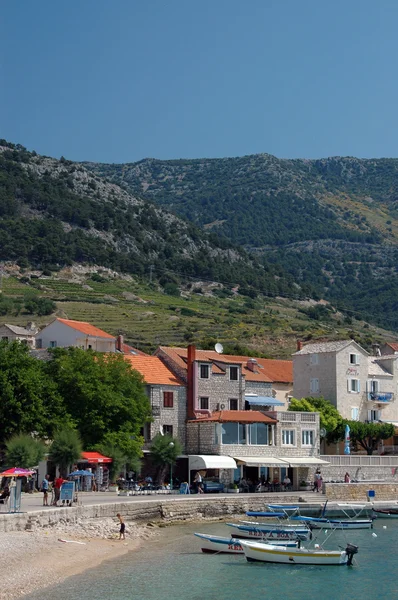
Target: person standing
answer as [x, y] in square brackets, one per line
[347, 478]
[45, 485]
[122, 529]
[57, 489]
[199, 483]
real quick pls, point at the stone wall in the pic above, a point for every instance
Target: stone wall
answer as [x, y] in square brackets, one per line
[175, 416]
[350, 492]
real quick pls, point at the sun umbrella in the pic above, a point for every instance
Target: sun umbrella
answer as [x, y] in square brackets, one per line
[16, 472]
[81, 473]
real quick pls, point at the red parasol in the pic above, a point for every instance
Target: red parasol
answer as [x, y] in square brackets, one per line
[16, 472]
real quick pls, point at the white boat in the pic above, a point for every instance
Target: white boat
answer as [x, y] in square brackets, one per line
[214, 544]
[273, 532]
[262, 552]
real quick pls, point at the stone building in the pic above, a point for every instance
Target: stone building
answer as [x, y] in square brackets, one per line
[12, 333]
[362, 387]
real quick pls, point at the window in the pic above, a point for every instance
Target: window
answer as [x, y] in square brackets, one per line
[314, 359]
[354, 413]
[233, 433]
[288, 438]
[90, 347]
[374, 415]
[39, 343]
[5, 338]
[354, 359]
[204, 403]
[168, 430]
[373, 386]
[233, 373]
[233, 404]
[314, 386]
[204, 371]
[354, 386]
[168, 399]
[146, 432]
[258, 434]
[53, 344]
[307, 437]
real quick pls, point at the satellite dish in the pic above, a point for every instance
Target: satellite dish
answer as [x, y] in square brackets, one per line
[322, 432]
[218, 348]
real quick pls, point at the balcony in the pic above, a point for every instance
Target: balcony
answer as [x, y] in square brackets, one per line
[380, 397]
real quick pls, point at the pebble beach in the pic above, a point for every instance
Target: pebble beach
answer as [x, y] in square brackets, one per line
[32, 560]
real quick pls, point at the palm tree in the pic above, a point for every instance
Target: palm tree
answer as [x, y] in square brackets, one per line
[164, 451]
[65, 449]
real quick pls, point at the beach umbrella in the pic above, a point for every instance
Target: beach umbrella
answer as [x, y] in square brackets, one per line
[81, 473]
[17, 472]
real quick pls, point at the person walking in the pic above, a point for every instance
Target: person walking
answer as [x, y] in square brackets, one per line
[122, 529]
[198, 482]
[45, 485]
[316, 480]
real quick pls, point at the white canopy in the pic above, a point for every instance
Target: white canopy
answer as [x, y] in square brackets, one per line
[305, 461]
[258, 461]
[210, 461]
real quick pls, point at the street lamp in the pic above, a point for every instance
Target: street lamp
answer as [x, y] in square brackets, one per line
[171, 468]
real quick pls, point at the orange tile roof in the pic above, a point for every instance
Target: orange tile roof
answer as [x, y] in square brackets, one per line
[86, 328]
[393, 346]
[153, 370]
[126, 349]
[267, 370]
[235, 416]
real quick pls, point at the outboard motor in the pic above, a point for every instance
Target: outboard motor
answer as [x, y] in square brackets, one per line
[351, 550]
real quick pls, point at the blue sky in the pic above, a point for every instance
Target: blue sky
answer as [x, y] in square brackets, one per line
[123, 80]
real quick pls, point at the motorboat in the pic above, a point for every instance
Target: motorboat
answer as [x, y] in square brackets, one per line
[214, 544]
[270, 553]
[385, 513]
[325, 523]
[269, 531]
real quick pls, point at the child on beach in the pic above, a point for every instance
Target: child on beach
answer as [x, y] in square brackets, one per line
[122, 527]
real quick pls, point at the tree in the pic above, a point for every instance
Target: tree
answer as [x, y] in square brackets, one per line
[24, 451]
[29, 398]
[365, 435]
[164, 451]
[329, 416]
[103, 395]
[66, 449]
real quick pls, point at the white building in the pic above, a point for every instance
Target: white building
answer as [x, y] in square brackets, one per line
[63, 333]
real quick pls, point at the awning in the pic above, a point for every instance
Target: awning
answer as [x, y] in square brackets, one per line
[259, 461]
[210, 461]
[305, 461]
[263, 400]
[94, 458]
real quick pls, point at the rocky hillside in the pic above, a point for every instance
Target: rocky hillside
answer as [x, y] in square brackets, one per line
[331, 223]
[56, 212]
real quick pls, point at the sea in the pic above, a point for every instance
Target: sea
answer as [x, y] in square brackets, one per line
[173, 567]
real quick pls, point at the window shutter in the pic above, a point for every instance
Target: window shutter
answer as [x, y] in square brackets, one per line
[349, 385]
[359, 386]
[369, 415]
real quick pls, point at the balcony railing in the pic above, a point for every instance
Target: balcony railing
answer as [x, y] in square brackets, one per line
[381, 397]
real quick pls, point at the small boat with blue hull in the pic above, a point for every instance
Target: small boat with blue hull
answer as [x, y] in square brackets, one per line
[325, 523]
[385, 513]
[270, 553]
[214, 544]
[273, 515]
[270, 531]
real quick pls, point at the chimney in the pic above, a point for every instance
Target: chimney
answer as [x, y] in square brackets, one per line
[190, 381]
[119, 343]
[251, 364]
[299, 345]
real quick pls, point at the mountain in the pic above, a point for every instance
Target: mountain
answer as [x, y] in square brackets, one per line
[332, 224]
[55, 212]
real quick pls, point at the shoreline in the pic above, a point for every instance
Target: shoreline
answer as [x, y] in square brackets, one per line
[32, 561]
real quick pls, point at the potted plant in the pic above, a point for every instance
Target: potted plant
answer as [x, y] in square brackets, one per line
[233, 488]
[304, 486]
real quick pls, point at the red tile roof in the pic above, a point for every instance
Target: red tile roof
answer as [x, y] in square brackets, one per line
[393, 346]
[265, 370]
[235, 416]
[86, 328]
[153, 370]
[126, 349]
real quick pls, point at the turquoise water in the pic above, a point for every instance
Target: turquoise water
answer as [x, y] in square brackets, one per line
[173, 567]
